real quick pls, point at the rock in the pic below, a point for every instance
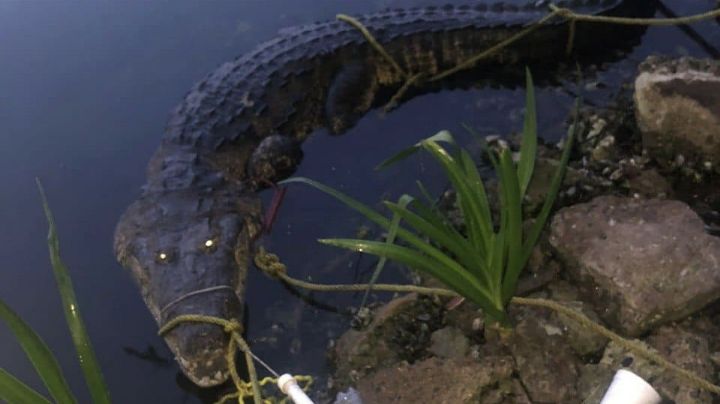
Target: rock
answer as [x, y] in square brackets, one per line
[351, 396]
[468, 318]
[685, 349]
[545, 169]
[594, 381]
[715, 358]
[639, 262]
[396, 333]
[678, 109]
[540, 268]
[584, 342]
[547, 366]
[690, 352]
[444, 381]
[649, 183]
[449, 343]
[605, 149]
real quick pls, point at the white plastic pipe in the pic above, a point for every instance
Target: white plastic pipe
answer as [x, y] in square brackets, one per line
[629, 388]
[289, 386]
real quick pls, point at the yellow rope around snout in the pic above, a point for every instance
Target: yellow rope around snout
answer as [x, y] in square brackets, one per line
[235, 329]
[272, 266]
[415, 79]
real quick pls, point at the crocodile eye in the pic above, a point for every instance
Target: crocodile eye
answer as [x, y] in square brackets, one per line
[163, 257]
[209, 245]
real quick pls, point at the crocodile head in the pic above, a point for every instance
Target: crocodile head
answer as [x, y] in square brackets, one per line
[189, 253]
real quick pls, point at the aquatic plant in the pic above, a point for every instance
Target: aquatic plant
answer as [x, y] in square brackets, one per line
[484, 264]
[13, 390]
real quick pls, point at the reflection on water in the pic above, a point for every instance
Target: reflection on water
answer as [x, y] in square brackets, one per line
[86, 88]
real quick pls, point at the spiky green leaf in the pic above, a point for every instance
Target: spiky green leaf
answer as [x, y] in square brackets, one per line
[14, 391]
[557, 180]
[442, 136]
[81, 340]
[374, 216]
[528, 148]
[512, 206]
[458, 281]
[39, 355]
[403, 201]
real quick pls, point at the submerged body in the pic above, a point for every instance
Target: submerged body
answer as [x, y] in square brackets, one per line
[187, 239]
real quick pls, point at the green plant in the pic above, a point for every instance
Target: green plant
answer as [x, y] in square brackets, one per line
[484, 264]
[13, 390]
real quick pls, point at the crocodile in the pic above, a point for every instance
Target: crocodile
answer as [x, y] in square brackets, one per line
[188, 237]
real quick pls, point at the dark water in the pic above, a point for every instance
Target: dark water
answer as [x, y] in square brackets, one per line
[85, 88]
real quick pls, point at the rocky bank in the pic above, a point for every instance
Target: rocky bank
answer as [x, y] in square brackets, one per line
[632, 248]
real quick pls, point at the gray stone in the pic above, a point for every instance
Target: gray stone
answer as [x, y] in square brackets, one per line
[350, 396]
[678, 109]
[583, 340]
[444, 381]
[593, 383]
[545, 169]
[649, 183]
[640, 262]
[546, 364]
[449, 343]
[385, 341]
[685, 349]
[605, 149]
[466, 317]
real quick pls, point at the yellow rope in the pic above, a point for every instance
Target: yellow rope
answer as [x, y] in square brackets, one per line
[234, 329]
[470, 62]
[371, 39]
[630, 345]
[414, 79]
[271, 265]
[571, 15]
[307, 380]
[395, 100]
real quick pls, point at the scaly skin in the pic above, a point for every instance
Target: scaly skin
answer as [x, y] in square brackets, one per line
[187, 239]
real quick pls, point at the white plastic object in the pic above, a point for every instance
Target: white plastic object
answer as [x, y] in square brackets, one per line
[629, 388]
[289, 386]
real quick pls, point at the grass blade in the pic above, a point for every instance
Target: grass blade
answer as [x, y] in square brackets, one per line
[14, 391]
[541, 218]
[442, 136]
[528, 148]
[450, 240]
[432, 216]
[425, 193]
[512, 205]
[374, 216]
[469, 202]
[460, 282]
[475, 182]
[40, 356]
[390, 239]
[347, 200]
[86, 355]
[496, 261]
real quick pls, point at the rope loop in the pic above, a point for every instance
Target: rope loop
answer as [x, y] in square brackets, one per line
[269, 263]
[236, 343]
[565, 13]
[233, 326]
